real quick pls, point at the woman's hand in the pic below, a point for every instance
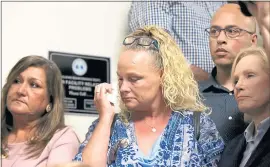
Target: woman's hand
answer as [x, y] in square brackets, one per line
[104, 107]
[95, 151]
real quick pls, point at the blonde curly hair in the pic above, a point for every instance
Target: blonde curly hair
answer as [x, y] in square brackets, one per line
[179, 88]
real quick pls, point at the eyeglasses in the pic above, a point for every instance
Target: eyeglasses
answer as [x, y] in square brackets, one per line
[230, 32]
[141, 40]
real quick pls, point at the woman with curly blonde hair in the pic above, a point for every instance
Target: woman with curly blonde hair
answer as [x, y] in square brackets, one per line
[159, 100]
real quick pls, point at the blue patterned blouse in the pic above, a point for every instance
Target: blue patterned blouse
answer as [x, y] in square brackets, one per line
[176, 146]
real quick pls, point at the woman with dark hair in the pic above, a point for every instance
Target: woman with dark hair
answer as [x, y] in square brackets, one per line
[33, 129]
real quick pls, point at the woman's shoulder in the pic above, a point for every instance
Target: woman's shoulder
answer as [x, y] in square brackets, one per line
[66, 130]
[236, 141]
[65, 134]
[63, 139]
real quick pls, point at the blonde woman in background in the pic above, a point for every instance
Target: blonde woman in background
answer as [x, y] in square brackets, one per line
[251, 76]
[159, 98]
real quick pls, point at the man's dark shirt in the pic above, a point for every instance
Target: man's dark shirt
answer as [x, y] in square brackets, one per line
[225, 113]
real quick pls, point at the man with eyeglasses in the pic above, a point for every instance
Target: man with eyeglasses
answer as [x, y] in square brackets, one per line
[230, 32]
[185, 22]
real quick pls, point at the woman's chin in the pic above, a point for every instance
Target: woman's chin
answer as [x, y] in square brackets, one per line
[130, 106]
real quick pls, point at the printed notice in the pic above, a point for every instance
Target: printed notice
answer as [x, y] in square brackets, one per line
[80, 75]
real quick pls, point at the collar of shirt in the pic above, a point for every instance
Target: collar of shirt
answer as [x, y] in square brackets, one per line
[261, 130]
[211, 85]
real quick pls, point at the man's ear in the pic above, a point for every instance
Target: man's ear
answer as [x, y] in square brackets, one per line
[254, 39]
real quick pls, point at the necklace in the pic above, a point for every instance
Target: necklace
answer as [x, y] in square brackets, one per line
[5, 155]
[153, 129]
[16, 157]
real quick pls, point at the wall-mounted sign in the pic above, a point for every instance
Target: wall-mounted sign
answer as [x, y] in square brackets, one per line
[80, 75]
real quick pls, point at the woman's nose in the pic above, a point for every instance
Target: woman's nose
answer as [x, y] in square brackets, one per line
[123, 87]
[22, 89]
[239, 85]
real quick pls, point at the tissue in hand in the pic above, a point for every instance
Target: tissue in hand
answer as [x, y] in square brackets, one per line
[112, 97]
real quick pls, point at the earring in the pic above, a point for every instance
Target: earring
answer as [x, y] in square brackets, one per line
[48, 108]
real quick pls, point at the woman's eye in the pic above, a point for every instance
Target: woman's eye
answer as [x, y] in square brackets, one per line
[134, 79]
[34, 85]
[17, 80]
[250, 75]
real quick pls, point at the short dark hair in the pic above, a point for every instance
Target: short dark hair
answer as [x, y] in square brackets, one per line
[244, 8]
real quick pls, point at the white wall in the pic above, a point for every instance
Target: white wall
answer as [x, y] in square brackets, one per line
[91, 28]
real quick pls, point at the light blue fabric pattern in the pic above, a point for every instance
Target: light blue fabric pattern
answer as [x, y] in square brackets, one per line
[149, 160]
[177, 146]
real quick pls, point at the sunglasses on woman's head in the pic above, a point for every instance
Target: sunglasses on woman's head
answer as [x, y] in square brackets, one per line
[141, 40]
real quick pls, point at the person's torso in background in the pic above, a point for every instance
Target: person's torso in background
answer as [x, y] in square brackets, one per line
[225, 113]
[190, 19]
